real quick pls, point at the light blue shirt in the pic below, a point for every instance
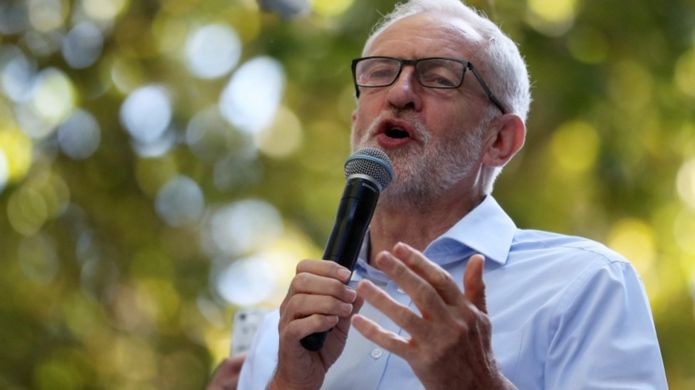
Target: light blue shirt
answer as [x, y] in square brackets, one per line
[566, 312]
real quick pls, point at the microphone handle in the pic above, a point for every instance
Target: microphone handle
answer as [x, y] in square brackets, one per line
[352, 220]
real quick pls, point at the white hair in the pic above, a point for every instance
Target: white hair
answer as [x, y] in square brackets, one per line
[507, 75]
[504, 68]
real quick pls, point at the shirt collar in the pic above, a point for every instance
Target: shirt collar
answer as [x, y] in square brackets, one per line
[486, 229]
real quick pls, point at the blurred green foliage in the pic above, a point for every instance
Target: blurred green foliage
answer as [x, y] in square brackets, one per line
[101, 290]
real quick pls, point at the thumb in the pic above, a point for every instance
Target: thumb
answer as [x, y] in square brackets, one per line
[473, 285]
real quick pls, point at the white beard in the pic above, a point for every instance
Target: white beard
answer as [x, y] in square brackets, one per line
[425, 170]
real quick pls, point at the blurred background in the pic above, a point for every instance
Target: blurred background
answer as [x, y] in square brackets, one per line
[165, 162]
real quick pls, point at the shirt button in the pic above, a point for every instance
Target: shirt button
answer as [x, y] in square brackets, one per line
[376, 353]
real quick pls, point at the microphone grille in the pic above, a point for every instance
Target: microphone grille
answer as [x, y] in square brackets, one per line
[371, 162]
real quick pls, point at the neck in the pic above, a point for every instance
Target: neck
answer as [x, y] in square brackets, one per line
[417, 225]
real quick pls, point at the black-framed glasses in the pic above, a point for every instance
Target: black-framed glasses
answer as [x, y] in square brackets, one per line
[435, 72]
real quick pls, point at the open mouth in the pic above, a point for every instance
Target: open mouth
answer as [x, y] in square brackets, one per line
[395, 132]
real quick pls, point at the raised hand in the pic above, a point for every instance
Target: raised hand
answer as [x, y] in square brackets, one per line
[450, 340]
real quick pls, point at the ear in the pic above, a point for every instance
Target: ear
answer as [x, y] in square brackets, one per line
[506, 139]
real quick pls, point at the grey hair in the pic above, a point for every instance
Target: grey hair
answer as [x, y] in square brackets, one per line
[504, 68]
[508, 77]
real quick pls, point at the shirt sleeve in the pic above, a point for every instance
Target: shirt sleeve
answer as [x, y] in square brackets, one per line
[603, 334]
[261, 359]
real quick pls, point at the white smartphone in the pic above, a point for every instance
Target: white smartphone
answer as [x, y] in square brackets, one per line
[244, 326]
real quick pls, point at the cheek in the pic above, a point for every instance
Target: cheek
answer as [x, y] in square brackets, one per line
[361, 119]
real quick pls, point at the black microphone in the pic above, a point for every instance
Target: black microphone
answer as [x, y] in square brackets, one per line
[368, 172]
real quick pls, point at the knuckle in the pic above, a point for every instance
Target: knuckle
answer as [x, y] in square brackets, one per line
[460, 328]
[297, 282]
[426, 292]
[409, 319]
[302, 266]
[441, 278]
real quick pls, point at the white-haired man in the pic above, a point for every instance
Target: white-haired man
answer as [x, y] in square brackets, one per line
[554, 312]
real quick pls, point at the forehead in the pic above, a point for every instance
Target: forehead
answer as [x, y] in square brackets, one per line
[426, 35]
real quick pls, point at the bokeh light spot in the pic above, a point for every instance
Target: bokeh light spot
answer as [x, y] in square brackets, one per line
[47, 15]
[246, 281]
[126, 74]
[157, 299]
[18, 73]
[242, 227]
[684, 76]
[253, 94]
[44, 44]
[170, 33]
[331, 7]
[631, 86]
[53, 99]
[685, 183]
[146, 113]
[82, 45]
[283, 137]
[104, 10]
[134, 358]
[684, 231]
[42, 197]
[575, 146]
[17, 150]
[79, 135]
[13, 17]
[552, 17]
[634, 239]
[180, 202]
[157, 147]
[26, 211]
[212, 51]
[4, 171]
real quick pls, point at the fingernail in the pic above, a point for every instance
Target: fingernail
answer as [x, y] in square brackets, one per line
[346, 309]
[344, 274]
[351, 295]
[384, 260]
[401, 247]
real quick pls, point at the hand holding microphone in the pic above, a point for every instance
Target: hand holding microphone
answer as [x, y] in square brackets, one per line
[368, 172]
[318, 300]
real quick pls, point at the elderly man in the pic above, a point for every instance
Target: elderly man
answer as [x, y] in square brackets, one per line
[444, 93]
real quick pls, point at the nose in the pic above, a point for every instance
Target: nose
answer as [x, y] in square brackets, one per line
[404, 93]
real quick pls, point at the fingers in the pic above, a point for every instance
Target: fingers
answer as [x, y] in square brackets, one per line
[399, 313]
[317, 298]
[382, 337]
[426, 297]
[304, 305]
[429, 271]
[323, 278]
[226, 375]
[324, 268]
[235, 362]
[474, 287]
[343, 325]
[302, 327]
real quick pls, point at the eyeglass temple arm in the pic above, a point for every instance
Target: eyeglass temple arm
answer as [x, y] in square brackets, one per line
[486, 89]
